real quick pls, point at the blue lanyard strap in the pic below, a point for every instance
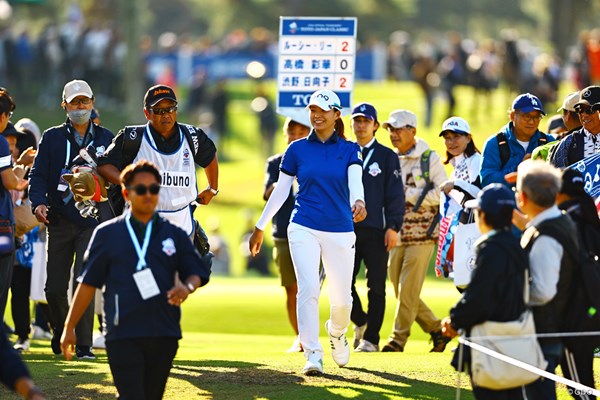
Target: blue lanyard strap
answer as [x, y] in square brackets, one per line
[141, 252]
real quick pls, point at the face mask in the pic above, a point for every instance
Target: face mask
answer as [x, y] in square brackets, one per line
[79, 117]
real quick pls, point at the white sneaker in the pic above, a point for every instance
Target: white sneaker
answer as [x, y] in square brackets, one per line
[38, 333]
[366, 347]
[21, 345]
[359, 332]
[296, 346]
[340, 351]
[99, 342]
[314, 364]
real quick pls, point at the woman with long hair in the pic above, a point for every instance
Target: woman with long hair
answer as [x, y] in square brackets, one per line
[330, 198]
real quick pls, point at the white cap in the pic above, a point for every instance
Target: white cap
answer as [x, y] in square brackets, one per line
[77, 88]
[569, 102]
[401, 118]
[31, 126]
[457, 125]
[325, 99]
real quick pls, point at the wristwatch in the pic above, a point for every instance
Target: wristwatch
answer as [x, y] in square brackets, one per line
[213, 191]
[190, 287]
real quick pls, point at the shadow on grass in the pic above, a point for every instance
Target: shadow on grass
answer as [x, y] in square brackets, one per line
[231, 380]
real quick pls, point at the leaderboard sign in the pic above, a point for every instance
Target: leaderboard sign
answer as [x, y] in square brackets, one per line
[315, 53]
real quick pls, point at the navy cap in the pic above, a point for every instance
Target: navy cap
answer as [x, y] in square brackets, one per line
[10, 130]
[572, 183]
[527, 103]
[493, 198]
[365, 110]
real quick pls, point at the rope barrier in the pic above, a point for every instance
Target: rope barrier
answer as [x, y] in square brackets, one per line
[556, 378]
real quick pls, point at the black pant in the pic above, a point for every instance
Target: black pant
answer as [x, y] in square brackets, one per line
[370, 248]
[20, 288]
[6, 269]
[67, 243]
[488, 394]
[140, 367]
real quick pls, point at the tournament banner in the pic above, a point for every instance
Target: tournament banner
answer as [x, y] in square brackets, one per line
[450, 211]
[590, 169]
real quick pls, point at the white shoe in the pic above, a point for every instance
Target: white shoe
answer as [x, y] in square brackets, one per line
[296, 346]
[39, 333]
[21, 345]
[359, 332]
[340, 351]
[314, 364]
[366, 347]
[99, 342]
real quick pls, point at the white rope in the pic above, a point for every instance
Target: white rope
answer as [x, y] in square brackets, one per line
[530, 368]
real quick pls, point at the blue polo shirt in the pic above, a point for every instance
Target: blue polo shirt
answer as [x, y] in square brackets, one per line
[323, 199]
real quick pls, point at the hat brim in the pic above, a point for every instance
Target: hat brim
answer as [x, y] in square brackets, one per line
[530, 109]
[161, 99]
[362, 115]
[455, 131]
[585, 103]
[85, 94]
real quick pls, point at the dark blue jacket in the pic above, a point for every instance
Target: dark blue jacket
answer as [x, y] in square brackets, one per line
[111, 261]
[384, 192]
[48, 166]
[281, 220]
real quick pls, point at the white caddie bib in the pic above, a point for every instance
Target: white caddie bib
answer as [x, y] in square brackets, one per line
[178, 179]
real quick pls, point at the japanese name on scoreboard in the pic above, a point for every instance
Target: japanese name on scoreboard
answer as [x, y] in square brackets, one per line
[315, 53]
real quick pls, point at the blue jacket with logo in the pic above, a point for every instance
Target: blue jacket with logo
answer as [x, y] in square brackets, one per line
[49, 164]
[384, 191]
[492, 170]
[111, 261]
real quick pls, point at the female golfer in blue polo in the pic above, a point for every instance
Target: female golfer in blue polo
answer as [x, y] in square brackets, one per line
[330, 197]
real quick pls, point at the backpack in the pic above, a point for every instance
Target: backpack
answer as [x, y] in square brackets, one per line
[504, 148]
[584, 305]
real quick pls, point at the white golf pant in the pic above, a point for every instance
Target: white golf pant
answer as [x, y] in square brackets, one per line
[307, 247]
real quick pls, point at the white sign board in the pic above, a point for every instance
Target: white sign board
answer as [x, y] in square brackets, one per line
[314, 53]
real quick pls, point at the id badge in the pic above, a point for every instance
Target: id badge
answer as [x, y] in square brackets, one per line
[62, 183]
[146, 283]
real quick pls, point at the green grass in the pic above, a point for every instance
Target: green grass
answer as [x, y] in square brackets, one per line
[236, 329]
[235, 336]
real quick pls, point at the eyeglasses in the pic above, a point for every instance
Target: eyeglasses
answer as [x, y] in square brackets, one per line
[391, 129]
[162, 111]
[585, 110]
[82, 100]
[529, 117]
[141, 190]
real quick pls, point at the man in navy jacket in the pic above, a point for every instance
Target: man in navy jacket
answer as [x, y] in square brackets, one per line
[135, 258]
[53, 205]
[378, 233]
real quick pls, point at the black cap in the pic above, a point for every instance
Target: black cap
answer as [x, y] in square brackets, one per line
[158, 93]
[572, 183]
[589, 96]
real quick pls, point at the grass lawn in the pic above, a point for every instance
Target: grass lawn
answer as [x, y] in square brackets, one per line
[236, 329]
[235, 336]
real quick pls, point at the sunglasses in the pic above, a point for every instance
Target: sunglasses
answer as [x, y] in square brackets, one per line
[83, 100]
[585, 110]
[162, 111]
[141, 190]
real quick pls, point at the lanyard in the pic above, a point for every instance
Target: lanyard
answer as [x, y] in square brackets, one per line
[141, 252]
[68, 156]
[151, 139]
[366, 160]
